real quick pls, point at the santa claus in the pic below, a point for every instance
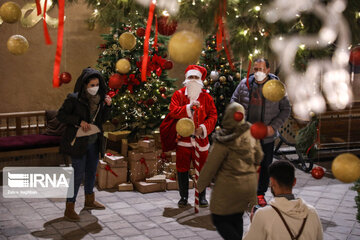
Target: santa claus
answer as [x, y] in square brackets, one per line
[193, 102]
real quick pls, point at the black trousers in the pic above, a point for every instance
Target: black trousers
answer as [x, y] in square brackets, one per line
[264, 178]
[230, 227]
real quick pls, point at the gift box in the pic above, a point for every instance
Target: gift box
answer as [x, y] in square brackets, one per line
[109, 177]
[142, 165]
[118, 135]
[101, 174]
[120, 146]
[150, 143]
[133, 147]
[157, 138]
[145, 187]
[115, 161]
[173, 157]
[173, 184]
[156, 179]
[126, 187]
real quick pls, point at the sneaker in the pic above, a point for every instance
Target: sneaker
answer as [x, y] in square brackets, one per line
[261, 201]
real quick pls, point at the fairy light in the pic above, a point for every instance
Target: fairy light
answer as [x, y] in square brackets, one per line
[193, 3]
[257, 8]
[302, 46]
[165, 13]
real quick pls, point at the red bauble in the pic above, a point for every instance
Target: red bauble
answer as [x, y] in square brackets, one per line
[65, 77]
[150, 102]
[162, 89]
[167, 65]
[115, 81]
[140, 32]
[165, 26]
[238, 116]
[258, 130]
[355, 56]
[163, 96]
[317, 172]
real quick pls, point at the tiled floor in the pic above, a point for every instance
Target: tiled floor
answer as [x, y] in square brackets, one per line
[132, 215]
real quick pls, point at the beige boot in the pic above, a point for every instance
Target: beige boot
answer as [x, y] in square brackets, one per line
[70, 213]
[90, 202]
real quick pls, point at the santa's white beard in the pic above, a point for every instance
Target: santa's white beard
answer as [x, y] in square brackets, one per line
[193, 88]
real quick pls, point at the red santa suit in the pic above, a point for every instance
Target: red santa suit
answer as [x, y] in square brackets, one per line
[205, 117]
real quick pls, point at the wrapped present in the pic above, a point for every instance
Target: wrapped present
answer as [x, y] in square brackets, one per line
[133, 147]
[115, 176]
[120, 146]
[115, 160]
[118, 135]
[142, 165]
[156, 135]
[173, 184]
[173, 157]
[145, 187]
[101, 174]
[126, 187]
[156, 179]
[172, 166]
[150, 143]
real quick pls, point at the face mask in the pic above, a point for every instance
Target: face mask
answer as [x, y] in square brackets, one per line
[93, 90]
[260, 76]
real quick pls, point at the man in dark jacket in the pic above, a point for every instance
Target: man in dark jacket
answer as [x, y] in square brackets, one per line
[84, 110]
[259, 109]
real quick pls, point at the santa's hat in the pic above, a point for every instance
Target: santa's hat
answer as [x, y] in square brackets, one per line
[196, 70]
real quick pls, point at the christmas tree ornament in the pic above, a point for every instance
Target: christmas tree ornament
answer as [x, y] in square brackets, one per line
[317, 172]
[222, 79]
[185, 127]
[166, 26]
[238, 116]
[140, 32]
[10, 12]
[346, 167]
[127, 41]
[150, 102]
[167, 65]
[65, 77]
[162, 89]
[116, 81]
[218, 128]
[237, 75]
[273, 90]
[355, 56]
[214, 75]
[258, 130]
[123, 66]
[230, 78]
[221, 97]
[206, 82]
[185, 47]
[17, 45]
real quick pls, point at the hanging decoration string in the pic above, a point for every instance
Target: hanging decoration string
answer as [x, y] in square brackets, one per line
[146, 41]
[46, 32]
[247, 74]
[38, 7]
[155, 45]
[59, 45]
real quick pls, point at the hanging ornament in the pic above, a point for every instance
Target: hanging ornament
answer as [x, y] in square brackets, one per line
[10, 12]
[237, 75]
[123, 66]
[221, 97]
[140, 32]
[17, 45]
[65, 77]
[185, 127]
[238, 116]
[230, 78]
[166, 26]
[127, 41]
[317, 172]
[167, 65]
[258, 130]
[206, 82]
[185, 47]
[30, 16]
[116, 81]
[214, 75]
[150, 102]
[222, 79]
[273, 90]
[355, 56]
[346, 167]
[162, 89]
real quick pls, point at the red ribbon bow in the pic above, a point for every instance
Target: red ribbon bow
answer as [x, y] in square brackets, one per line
[109, 154]
[143, 161]
[108, 168]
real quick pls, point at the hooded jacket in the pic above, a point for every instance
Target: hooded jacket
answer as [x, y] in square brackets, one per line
[267, 224]
[76, 109]
[233, 162]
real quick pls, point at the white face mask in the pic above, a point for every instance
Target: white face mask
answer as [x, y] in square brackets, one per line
[260, 76]
[93, 91]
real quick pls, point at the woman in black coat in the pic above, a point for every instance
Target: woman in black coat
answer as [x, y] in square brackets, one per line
[88, 105]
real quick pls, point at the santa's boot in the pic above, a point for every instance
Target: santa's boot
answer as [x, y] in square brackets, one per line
[202, 199]
[183, 181]
[70, 213]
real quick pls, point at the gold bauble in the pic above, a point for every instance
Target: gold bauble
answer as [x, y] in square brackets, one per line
[17, 45]
[346, 167]
[10, 12]
[221, 97]
[185, 47]
[222, 79]
[237, 75]
[206, 82]
[127, 41]
[273, 90]
[123, 66]
[185, 127]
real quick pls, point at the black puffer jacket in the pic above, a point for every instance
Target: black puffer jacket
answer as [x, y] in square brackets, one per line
[76, 109]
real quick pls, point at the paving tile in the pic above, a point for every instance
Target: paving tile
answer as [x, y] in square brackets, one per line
[118, 224]
[167, 237]
[155, 232]
[15, 231]
[108, 237]
[127, 211]
[109, 218]
[183, 233]
[126, 232]
[103, 232]
[135, 218]
[145, 225]
[118, 205]
[139, 237]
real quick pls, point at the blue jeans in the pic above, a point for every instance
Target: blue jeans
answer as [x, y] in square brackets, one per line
[86, 165]
[264, 177]
[230, 227]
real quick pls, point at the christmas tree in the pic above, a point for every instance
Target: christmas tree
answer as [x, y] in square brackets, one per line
[222, 78]
[137, 106]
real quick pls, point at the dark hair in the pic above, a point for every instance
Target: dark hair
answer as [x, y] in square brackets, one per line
[91, 78]
[283, 172]
[263, 60]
